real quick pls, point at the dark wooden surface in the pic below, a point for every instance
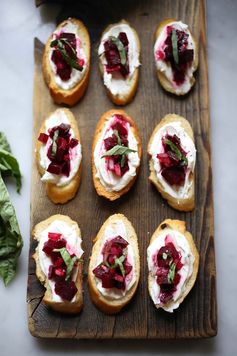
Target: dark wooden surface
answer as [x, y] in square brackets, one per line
[144, 207]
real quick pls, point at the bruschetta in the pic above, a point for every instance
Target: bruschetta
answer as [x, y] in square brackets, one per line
[114, 267]
[58, 258]
[172, 161]
[59, 155]
[116, 154]
[119, 61]
[66, 62]
[173, 262]
[176, 56]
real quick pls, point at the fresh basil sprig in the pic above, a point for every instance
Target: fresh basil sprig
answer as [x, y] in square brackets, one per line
[177, 152]
[69, 261]
[175, 51]
[171, 273]
[115, 132]
[71, 60]
[121, 48]
[118, 150]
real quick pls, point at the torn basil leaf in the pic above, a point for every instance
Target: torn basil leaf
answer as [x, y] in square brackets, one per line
[68, 259]
[174, 40]
[120, 47]
[71, 60]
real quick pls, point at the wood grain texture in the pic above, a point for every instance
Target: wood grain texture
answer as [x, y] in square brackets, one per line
[143, 206]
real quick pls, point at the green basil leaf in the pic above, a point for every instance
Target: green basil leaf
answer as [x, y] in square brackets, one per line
[120, 47]
[171, 273]
[54, 144]
[119, 262]
[68, 259]
[115, 132]
[4, 144]
[10, 237]
[118, 150]
[178, 153]
[174, 40]
[10, 166]
[122, 162]
[71, 60]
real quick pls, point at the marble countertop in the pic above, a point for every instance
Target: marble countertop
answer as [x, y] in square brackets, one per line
[21, 20]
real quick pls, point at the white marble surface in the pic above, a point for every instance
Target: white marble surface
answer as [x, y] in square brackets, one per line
[20, 21]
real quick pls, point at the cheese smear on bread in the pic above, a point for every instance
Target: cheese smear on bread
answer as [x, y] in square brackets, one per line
[187, 259]
[187, 144]
[76, 75]
[57, 118]
[165, 67]
[117, 228]
[70, 234]
[108, 179]
[118, 85]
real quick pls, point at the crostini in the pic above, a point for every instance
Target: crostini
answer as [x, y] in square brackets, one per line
[114, 268]
[116, 154]
[176, 56]
[66, 62]
[119, 61]
[58, 258]
[172, 161]
[59, 155]
[173, 262]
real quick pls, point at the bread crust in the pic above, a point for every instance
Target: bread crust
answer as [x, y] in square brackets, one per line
[72, 96]
[165, 83]
[65, 306]
[110, 306]
[188, 203]
[100, 189]
[64, 193]
[123, 99]
[180, 226]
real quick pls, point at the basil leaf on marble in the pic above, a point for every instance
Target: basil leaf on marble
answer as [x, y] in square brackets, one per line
[10, 237]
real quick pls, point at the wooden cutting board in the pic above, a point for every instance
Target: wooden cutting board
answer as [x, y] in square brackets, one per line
[197, 316]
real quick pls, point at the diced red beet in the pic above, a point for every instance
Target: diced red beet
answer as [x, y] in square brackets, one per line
[50, 273]
[166, 257]
[43, 137]
[66, 289]
[58, 262]
[185, 55]
[112, 56]
[54, 168]
[73, 142]
[174, 175]
[61, 272]
[63, 69]
[54, 236]
[50, 245]
[111, 276]
[117, 170]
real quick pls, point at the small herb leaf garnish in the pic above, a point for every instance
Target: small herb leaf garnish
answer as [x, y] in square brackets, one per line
[118, 150]
[122, 162]
[68, 259]
[174, 40]
[54, 144]
[71, 60]
[115, 132]
[171, 273]
[175, 149]
[121, 48]
[119, 262]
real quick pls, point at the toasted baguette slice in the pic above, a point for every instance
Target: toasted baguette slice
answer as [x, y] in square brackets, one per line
[182, 204]
[164, 81]
[61, 194]
[179, 226]
[123, 98]
[63, 306]
[73, 95]
[109, 305]
[100, 189]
